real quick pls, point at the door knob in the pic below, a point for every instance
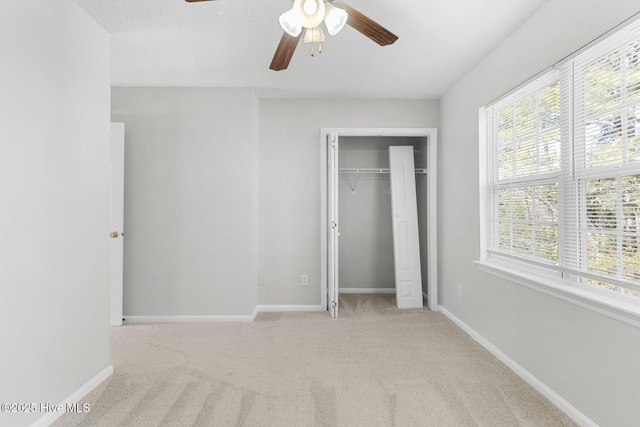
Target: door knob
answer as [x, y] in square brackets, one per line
[114, 234]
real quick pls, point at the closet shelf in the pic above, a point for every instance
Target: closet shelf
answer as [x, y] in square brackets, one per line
[355, 171]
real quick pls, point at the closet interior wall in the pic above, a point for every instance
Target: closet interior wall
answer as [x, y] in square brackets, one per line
[366, 237]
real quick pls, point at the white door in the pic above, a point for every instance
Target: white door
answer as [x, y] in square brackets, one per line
[117, 221]
[334, 234]
[406, 244]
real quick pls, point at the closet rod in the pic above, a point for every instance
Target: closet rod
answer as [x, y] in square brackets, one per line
[374, 170]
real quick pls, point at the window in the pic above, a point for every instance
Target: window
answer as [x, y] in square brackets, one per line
[607, 163]
[564, 170]
[525, 131]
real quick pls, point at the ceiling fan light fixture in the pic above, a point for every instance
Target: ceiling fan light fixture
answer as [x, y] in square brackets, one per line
[312, 12]
[291, 22]
[310, 7]
[335, 19]
[314, 35]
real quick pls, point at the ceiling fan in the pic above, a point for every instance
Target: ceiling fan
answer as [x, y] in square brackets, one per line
[310, 14]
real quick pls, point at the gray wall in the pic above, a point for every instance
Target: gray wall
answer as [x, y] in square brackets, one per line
[204, 200]
[190, 200]
[590, 360]
[54, 190]
[366, 236]
[290, 182]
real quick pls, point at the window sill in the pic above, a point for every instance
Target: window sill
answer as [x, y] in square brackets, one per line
[622, 311]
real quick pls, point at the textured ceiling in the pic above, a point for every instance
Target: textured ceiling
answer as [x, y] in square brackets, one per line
[230, 43]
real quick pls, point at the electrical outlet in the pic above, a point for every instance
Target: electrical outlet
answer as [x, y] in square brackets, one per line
[263, 280]
[304, 279]
[459, 291]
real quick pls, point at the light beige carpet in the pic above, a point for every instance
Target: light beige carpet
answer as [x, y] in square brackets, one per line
[374, 366]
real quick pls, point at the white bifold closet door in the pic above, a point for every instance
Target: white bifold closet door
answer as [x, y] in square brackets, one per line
[406, 243]
[333, 291]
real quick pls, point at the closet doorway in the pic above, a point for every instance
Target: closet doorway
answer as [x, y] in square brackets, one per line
[361, 222]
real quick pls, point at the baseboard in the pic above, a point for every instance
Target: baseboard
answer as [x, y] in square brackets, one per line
[74, 397]
[230, 318]
[367, 290]
[566, 407]
[283, 308]
[188, 319]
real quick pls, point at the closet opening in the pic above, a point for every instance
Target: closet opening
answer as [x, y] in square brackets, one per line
[378, 215]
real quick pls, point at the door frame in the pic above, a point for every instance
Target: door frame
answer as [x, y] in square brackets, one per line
[431, 134]
[116, 223]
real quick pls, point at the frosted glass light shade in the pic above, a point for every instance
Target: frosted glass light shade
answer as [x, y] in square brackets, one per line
[310, 20]
[335, 19]
[291, 22]
[310, 7]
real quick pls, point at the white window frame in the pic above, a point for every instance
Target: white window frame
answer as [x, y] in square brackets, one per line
[557, 281]
[531, 180]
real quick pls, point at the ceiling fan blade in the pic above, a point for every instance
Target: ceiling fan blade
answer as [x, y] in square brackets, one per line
[284, 52]
[368, 27]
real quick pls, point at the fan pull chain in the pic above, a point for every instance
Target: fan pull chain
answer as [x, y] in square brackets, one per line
[313, 52]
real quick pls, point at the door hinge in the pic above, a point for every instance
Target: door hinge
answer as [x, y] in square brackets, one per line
[333, 304]
[334, 224]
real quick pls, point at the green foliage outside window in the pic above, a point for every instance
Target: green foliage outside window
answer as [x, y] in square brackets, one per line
[612, 138]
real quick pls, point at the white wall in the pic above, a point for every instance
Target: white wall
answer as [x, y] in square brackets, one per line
[290, 182]
[590, 360]
[190, 200]
[204, 200]
[54, 192]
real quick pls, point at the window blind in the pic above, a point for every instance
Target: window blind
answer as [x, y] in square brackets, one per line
[564, 168]
[524, 133]
[606, 156]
